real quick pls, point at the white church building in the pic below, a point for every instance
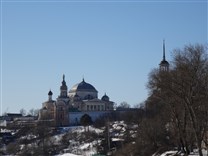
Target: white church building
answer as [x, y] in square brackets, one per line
[71, 105]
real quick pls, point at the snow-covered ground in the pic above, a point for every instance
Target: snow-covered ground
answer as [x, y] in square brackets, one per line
[172, 153]
[68, 154]
[79, 146]
[117, 129]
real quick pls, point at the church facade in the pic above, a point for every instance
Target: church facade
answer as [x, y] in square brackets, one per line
[82, 97]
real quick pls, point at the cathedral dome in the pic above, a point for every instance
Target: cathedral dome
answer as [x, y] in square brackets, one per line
[83, 86]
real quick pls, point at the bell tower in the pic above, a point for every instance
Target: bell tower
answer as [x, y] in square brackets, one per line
[63, 88]
[164, 65]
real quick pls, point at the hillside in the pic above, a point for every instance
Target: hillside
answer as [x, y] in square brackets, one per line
[78, 140]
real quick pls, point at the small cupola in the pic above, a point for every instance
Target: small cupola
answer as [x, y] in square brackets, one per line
[50, 93]
[76, 97]
[105, 98]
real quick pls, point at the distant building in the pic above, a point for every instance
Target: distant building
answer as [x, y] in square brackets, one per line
[81, 99]
[70, 106]
[16, 119]
[164, 65]
[11, 116]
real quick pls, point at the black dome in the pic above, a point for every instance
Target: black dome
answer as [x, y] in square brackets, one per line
[83, 86]
[50, 93]
[164, 62]
[105, 98]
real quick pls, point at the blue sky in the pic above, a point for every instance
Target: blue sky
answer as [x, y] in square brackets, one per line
[113, 44]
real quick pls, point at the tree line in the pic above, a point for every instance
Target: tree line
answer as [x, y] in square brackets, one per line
[175, 114]
[176, 111]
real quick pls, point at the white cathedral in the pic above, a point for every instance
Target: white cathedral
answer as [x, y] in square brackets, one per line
[82, 99]
[70, 106]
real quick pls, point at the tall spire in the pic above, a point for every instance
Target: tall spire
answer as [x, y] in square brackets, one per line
[164, 65]
[163, 50]
[83, 78]
[63, 77]
[63, 82]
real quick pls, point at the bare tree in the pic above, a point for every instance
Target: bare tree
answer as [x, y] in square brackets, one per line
[185, 90]
[23, 112]
[124, 104]
[33, 112]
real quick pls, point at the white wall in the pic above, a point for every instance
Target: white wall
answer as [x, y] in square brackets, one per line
[74, 117]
